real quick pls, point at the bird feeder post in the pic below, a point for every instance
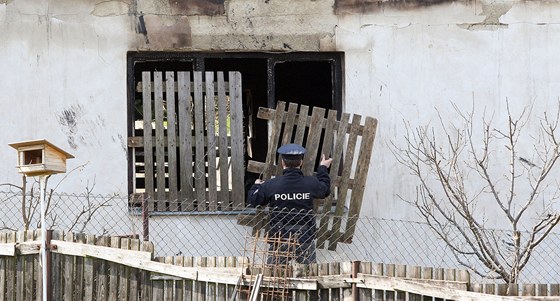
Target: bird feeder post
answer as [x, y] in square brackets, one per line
[40, 158]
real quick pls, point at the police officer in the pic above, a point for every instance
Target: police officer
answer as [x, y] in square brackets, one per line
[290, 197]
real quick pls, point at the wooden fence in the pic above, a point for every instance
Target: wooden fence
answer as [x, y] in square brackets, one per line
[86, 267]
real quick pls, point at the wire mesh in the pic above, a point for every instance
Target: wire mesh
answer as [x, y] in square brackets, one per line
[220, 234]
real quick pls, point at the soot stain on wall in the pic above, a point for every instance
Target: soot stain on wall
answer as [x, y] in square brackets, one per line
[198, 7]
[68, 119]
[367, 6]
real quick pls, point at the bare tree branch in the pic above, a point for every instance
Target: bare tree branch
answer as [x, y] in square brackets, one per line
[447, 197]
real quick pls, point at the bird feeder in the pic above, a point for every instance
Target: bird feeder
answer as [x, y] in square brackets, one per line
[40, 157]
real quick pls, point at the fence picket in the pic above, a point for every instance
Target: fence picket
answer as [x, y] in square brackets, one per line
[56, 264]
[113, 271]
[199, 286]
[3, 269]
[365, 294]
[10, 272]
[78, 280]
[390, 272]
[29, 269]
[554, 290]
[124, 275]
[134, 273]
[178, 285]
[146, 292]
[68, 264]
[158, 285]
[89, 272]
[221, 290]
[188, 284]
[168, 285]
[20, 269]
[211, 287]
[101, 272]
[79, 270]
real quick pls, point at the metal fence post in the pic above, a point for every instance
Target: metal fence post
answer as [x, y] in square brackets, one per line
[145, 217]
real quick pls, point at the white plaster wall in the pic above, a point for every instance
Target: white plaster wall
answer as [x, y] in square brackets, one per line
[401, 66]
[58, 60]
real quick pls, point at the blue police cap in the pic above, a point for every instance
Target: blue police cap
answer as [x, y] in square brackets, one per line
[291, 149]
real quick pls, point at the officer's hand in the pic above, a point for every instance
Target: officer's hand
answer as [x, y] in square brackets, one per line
[325, 162]
[259, 181]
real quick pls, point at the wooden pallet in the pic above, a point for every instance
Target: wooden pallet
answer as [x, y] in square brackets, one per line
[346, 140]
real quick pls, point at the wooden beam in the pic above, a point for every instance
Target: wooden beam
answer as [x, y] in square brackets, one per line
[426, 289]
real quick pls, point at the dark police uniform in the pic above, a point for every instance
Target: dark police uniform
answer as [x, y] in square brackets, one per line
[290, 198]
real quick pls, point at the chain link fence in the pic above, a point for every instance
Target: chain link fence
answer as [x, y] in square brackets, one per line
[220, 233]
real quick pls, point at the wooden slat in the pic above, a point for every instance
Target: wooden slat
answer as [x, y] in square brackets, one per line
[273, 140]
[237, 140]
[10, 270]
[200, 158]
[188, 285]
[290, 123]
[313, 139]
[160, 146]
[89, 272]
[79, 269]
[327, 150]
[114, 272]
[134, 274]
[378, 270]
[56, 264]
[231, 261]
[223, 140]
[211, 286]
[362, 167]
[20, 264]
[334, 169]
[221, 289]
[211, 141]
[139, 87]
[147, 130]
[365, 294]
[172, 163]
[145, 290]
[185, 140]
[3, 267]
[102, 271]
[178, 285]
[168, 285]
[37, 271]
[390, 272]
[124, 276]
[268, 114]
[343, 187]
[7, 249]
[68, 272]
[199, 286]
[158, 286]
[302, 122]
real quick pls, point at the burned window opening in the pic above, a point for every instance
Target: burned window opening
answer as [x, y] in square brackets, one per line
[312, 79]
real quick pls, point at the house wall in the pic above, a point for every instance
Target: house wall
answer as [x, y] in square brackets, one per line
[63, 74]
